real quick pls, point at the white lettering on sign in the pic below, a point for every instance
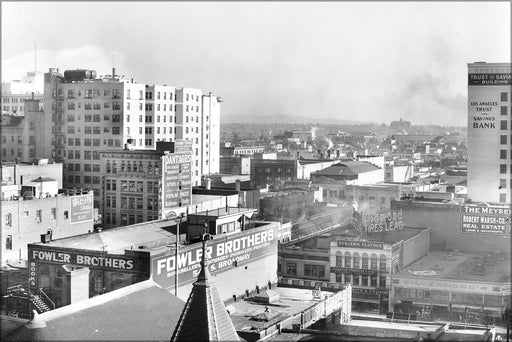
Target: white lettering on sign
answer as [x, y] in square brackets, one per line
[177, 159]
[191, 259]
[85, 260]
[375, 223]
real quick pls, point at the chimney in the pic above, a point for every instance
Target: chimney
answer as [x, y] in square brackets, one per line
[237, 185]
[208, 184]
[113, 72]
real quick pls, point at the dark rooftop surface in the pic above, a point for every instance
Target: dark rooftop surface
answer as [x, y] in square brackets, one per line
[458, 265]
[349, 168]
[139, 312]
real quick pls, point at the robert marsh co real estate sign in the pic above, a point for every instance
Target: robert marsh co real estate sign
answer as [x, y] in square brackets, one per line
[482, 219]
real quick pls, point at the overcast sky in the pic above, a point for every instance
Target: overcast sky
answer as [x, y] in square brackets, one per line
[352, 61]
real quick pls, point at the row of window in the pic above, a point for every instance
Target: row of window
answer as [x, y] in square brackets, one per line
[444, 296]
[361, 262]
[38, 216]
[362, 280]
[76, 154]
[94, 142]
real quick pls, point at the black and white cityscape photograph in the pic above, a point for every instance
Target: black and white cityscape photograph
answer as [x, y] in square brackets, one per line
[256, 171]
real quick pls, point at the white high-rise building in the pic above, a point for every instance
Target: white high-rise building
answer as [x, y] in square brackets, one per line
[489, 132]
[86, 114]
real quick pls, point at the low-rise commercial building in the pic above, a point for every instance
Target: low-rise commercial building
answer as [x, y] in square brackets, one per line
[456, 286]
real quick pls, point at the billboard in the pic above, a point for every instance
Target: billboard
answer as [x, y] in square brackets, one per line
[224, 252]
[481, 219]
[182, 145]
[176, 180]
[382, 222]
[81, 208]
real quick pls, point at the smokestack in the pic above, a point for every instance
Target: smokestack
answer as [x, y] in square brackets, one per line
[113, 72]
[337, 153]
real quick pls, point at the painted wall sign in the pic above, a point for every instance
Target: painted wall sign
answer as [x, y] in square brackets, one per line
[485, 220]
[237, 249]
[81, 208]
[88, 259]
[489, 79]
[176, 180]
[376, 223]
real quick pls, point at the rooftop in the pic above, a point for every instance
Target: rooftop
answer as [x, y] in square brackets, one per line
[349, 168]
[142, 312]
[459, 265]
[117, 240]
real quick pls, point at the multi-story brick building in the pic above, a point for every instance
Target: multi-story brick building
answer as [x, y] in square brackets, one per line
[137, 185]
[90, 114]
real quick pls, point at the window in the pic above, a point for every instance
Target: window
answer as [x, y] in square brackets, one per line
[8, 220]
[503, 110]
[8, 242]
[115, 93]
[503, 154]
[503, 139]
[503, 125]
[39, 216]
[503, 168]
[365, 262]
[54, 213]
[291, 268]
[503, 183]
[356, 260]
[373, 262]
[339, 260]
[116, 106]
[503, 97]
[348, 260]
[382, 265]
[97, 106]
[317, 271]
[503, 198]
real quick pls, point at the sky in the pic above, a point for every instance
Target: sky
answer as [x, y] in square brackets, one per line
[366, 61]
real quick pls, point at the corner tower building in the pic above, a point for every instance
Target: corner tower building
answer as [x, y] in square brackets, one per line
[489, 132]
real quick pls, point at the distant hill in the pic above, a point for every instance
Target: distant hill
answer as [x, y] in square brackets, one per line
[281, 119]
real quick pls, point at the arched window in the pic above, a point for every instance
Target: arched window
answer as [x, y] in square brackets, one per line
[339, 259]
[382, 265]
[373, 264]
[348, 260]
[357, 260]
[365, 261]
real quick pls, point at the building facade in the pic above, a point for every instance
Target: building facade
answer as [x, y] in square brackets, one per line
[30, 218]
[138, 185]
[16, 92]
[23, 135]
[489, 138]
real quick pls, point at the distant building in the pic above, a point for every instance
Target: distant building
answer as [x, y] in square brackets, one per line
[16, 92]
[268, 171]
[23, 136]
[22, 173]
[241, 150]
[489, 99]
[398, 173]
[238, 165]
[286, 205]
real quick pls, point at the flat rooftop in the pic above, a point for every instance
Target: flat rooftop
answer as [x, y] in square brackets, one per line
[117, 240]
[291, 302]
[457, 265]
[395, 235]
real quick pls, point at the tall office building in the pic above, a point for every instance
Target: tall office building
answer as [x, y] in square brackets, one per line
[90, 114]
[489, 132]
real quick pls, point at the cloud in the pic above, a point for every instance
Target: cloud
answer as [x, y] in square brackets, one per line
[83, 57]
